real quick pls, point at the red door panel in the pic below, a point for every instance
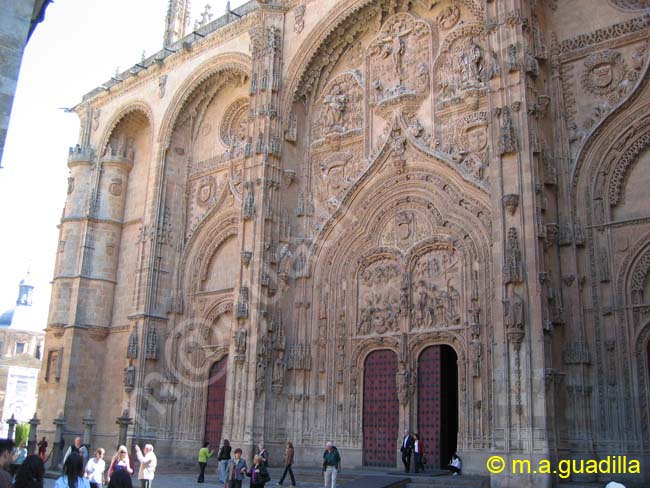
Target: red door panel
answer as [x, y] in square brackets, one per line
[216, 402]
[429, 406]
[380, 409]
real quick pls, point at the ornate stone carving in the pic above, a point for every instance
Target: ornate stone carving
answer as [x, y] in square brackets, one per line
[242, 305]
[512, 268]
[622, 167]
[406, 381]
[379, 292]
[448, 17]
[639, 276]
[240, 345]
[132, 350]
[404, 229]
[162, 85]
[511, 202]
[248, 208]
[507, 136]
[604, 72]
[436, 283]
[115, 188]
[576, 352]
[151, 344]
[398, 63]
[341, 108]
[129, 377]
[233, 129]
[475, 357]
[299, 18]
[70, 185]
[604, 34]
[632, 5]
[513, 318]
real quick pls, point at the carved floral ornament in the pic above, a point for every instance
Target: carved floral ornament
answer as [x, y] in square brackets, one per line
[631, 5]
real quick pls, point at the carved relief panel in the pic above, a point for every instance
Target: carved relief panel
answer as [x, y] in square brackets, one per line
[399, 63]
[436, 289]
[378, 305]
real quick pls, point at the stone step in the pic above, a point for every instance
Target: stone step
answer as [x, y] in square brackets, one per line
[464, 481]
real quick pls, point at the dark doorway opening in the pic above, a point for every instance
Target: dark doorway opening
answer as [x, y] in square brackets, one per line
[438, 404]
[380, 409]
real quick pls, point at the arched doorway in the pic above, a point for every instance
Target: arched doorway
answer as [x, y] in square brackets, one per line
[438, 403]
[380, 409]
[216, 402]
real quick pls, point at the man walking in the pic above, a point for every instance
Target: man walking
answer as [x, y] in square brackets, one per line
[331, 465]
[148, 463]
[407, 449]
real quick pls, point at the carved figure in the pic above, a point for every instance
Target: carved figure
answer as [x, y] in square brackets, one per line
[129, 376]
[336, 104]
[395, 47]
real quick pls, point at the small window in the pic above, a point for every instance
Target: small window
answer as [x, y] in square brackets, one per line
[20, 347]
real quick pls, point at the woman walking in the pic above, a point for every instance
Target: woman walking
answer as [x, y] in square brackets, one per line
[418, 447]
[42, 448]
[223, 458]
[235, 470]
[288, 461]
[95, 468]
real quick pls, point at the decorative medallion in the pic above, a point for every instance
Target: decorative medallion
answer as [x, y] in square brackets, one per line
[234, 125]
[603, 73]
[115, 188]
[448, 17]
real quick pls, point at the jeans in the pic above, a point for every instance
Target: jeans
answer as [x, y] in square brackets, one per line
[330, 477]
[201, 473]
[146, 483]
[223, 466]
[287, 469]
[234, 483]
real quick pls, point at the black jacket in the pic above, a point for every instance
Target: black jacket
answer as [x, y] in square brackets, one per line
[410, 444]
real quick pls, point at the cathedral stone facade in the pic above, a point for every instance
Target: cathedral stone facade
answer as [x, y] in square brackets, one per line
[337, 219]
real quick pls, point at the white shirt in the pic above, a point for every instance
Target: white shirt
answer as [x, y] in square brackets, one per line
[148, 464]
[456, 463]
[417, 447]
[95, 470]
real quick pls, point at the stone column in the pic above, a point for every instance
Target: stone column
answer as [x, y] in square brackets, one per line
[33, 438]
[123, 421]
[12, 426]
[89, 422]
[57, 457]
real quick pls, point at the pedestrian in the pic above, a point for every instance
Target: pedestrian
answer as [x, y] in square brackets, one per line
[331, 464]
[73, 468]
[6, 455]
[31, 473]
[418, 449]
[121, 479]
[120, 461]
[148, 463]
[455, 465]
[20, 453]
[223, 458]
[288, 461]
[407, 450]
[235, 470]
[264, 454]
[79, 448]
[258, 473]
[42, 448]
[95, 468]
[204, 454]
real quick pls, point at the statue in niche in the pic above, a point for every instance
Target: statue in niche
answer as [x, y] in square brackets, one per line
[405, 382]
[260, 375]
[249, 201]
[279, 370]
[129, 376]
[513, 317]
[152, 344]
[240, 340]
[132, 350]
[336, 103]
[472, 63]
[475, 356]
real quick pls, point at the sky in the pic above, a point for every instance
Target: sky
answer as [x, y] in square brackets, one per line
[76, 48]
